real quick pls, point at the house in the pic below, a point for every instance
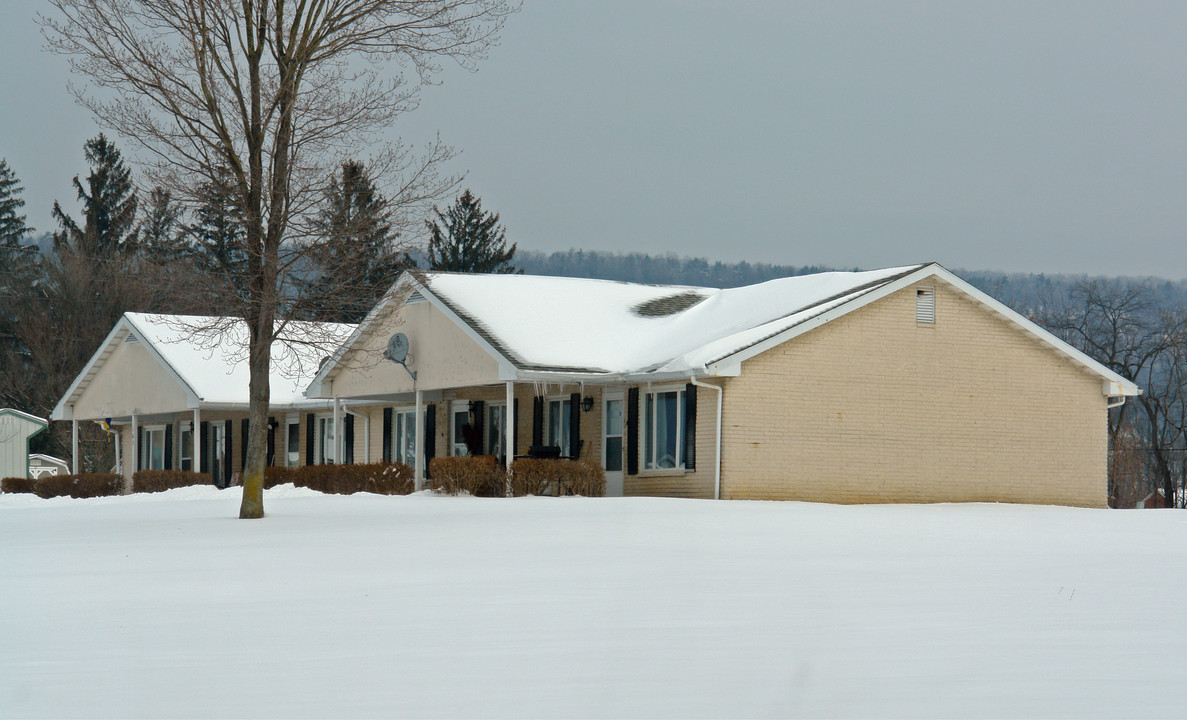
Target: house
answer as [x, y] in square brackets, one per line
[16, 429]
[905, 384]
[157, 378]
[45, 465]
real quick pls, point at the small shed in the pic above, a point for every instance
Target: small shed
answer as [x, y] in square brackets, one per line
[16, 428]
[46, 465]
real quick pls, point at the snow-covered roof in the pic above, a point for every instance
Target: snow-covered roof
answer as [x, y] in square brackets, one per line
[600, 326]
[208, 357]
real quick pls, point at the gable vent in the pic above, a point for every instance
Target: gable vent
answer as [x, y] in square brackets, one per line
[131, 338]
[414, 298]
[925, 305]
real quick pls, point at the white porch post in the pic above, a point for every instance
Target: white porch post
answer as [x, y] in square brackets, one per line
[195, 461]
[74, 445]
[509, 434]
[135, 443]
[418, 465]
[119, 461]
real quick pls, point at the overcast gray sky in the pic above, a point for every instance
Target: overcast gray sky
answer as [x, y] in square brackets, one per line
[1045, 137]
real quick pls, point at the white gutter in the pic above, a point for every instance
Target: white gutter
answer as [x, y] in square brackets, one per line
[717, 470]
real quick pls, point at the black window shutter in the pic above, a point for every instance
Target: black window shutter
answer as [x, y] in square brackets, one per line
[348, 438]
[430, 438]
[537, 420]
[271, 441]
[632, 431]
[387, 435]
[310, 432]
[690, 427]
[139, 447]
[228, 445]
[203, 445]
[514, 427]
[169, 446]
[575, 425]
[245, 427]
[478, 412]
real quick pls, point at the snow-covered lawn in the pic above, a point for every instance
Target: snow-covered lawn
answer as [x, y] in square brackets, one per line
[166, 606]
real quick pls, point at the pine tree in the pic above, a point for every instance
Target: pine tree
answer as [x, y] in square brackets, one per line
[16, 260]
[109, 207]
[355, 241]
[161, 234]
[218, 233]
[468, 240]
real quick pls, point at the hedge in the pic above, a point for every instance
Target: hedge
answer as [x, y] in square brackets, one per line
[83, 485]
[148, 481]
[18, 485]
[536, 476]
[378, 478]
[479, 475]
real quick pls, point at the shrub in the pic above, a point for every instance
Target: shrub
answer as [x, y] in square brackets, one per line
[148, 481]
[378, 478]
[83, 485]
[478, 475]
[18, 485]
[536, 476]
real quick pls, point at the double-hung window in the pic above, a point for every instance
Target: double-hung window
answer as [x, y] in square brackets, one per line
[186, 451]
[495, 430]
[663, 430]
[326, 445]
[404, 436]
[559, 411]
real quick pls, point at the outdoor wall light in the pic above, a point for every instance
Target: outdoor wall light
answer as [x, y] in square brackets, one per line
[587, 403]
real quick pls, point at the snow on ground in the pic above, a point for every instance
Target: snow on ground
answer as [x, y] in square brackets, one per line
[166, 606]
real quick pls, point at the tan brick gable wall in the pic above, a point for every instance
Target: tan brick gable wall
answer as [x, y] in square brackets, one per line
[875, 407]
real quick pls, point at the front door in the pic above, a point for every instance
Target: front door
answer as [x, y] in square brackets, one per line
[612, 445]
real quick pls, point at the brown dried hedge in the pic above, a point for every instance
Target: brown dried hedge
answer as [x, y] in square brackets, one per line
[478, 475]
[149, 481]
[18, 485]
[378, 478]
[536, 476]
[83, 485]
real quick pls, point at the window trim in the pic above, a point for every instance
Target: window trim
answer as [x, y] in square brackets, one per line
[319, 450]
[566, 415]
[399, 411]
[146, 451]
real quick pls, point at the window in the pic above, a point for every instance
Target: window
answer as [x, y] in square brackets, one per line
[186, 451]
[557, 428]
[325, 445]
[152, 455]
[218, 451]
[663, 430]
[293, 441]
[612, 440]
[404, 436]
[495, 430]
[459, 425]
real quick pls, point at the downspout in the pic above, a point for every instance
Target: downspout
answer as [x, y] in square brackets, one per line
[717, 470]
[1117, 404]
[366, 432]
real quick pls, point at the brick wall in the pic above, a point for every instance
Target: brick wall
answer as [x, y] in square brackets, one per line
[874, 407]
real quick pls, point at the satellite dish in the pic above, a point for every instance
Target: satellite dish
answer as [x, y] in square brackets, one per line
[397, 348]
[397, 351]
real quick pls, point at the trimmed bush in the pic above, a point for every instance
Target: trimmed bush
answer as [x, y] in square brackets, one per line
[148, 481]
[478, 475]
[83, 485]
[17, 485]
[378, 478]
[536, 476]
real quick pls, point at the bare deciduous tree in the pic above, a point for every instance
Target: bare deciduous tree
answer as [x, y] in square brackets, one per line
[276, 93]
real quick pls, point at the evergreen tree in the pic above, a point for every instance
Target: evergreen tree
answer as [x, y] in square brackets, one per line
[162, 235]
[109, 207]
[218, 234]
[355, 244]
[464, 239]
[17, 261]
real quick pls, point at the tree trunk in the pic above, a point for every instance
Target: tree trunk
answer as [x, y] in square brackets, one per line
[259, 360]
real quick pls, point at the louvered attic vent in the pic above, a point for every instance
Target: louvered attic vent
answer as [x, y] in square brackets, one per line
[925, 305]
[414, 298]
[131, 338]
